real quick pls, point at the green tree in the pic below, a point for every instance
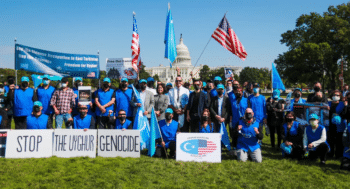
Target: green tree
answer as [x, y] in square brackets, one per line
[156, 77]
[143, 74]
[204, 73]
[315, 46]
[261, 76]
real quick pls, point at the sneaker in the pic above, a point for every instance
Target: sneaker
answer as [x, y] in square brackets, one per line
[323, 163]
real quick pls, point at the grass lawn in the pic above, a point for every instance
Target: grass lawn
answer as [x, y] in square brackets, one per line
[146, 172]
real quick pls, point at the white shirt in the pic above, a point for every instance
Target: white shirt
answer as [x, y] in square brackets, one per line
[143, 97]
[152, 90]
[317, 142]
[173, 96]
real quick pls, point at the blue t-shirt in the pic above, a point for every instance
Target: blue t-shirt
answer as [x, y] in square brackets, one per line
[122, 101]
[23, 102]
[168, 132]
[103, 98]
[258, 105]
[44, 96]
[84, 123]
[118, 125]
[206, 129]
[247, 139]
[37, 122]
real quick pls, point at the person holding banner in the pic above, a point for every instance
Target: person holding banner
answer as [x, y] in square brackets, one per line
[292, 136]
[249, 134]
[315, 140]
[38, 120]
[314, 97]
[44, 94]
[62, 101]
[169, 128]
[23, 102]
[104, 100]
[122, 122]
[123, 99]
[83, 120]
[297, 93]
[220, 108]
[205, 125]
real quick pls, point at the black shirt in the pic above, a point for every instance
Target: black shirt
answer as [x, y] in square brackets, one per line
[194, 108]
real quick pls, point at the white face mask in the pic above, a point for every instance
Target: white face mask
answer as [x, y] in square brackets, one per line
[335, 98]
[314, 123]
[2, 90]
[64, 85]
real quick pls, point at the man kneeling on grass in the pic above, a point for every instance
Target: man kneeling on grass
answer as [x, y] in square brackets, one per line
[84, 120]
[38, 120]
[168, 128]
[249, 134]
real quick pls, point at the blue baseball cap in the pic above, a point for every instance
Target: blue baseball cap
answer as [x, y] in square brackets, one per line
[25, 78]
[297, 89]
[37, 103]
[125, 79]
[169, 84]
[169, 110]
[313, 116]
[217, 78]
[142, 81]
[46, 76]
[150, 79]
[78, 79]
[220, 86]
[204, 83]
[276, 93]
[107, 80]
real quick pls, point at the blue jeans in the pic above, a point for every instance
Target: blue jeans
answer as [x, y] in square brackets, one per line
[60, 118]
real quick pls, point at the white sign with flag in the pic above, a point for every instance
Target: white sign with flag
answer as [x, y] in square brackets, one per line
[74, 143]
[117, 68]
[228, 73]
[199, 147]
[116, 142]
[29, 144]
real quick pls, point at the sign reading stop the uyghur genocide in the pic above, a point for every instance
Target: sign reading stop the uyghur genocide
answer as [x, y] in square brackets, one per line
[74, 143]
[113, 143]
[29, 143]
[198, 147]
[54, 63]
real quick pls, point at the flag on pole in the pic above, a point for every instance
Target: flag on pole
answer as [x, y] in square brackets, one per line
[225, 35]
[224, 136]
[155, 134]
[141, 122]
[135, 46]
[169, 39]
[276, 79]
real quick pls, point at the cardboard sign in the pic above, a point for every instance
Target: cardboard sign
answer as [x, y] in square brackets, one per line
[199, 147]
[29, 143]
[74, 143]
[115, 142]
[84, 95]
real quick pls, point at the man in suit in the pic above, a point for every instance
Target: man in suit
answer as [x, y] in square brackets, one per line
[147, 98]
[198, 100]
[220, 107]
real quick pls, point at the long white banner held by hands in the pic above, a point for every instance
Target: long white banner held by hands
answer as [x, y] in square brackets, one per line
[29, 143]
[115, 142]
[74, 143]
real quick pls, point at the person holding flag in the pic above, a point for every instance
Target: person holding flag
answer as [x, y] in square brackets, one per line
[169, 128]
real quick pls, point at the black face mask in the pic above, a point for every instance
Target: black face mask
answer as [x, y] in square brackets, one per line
[205, 118]
[123, 85]
[143, 87]
[234, 87]
[317, 89]
[289, 119]
[105, 85]
[196, 87]
[318, 99]
[24, 84]
[209, 87]
[248, 116]
[122, 118]
[238, 95]
[168, 117]
[83, 114]
[220, 92]
[36, 109]
[297, 95]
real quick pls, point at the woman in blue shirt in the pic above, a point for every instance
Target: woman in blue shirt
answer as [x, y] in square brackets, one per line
[206, 126]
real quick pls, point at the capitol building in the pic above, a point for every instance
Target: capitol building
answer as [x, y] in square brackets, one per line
[183, 63]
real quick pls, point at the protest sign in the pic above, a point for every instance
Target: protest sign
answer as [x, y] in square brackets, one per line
[199, 147]
[115, 142]
[228, 73]
[3, 137]
[74, 143]
[29, 143]
[84, 95]
[117, 68]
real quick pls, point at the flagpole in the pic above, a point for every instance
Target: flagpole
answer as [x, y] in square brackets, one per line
[272, 79]
[15, 61]
[201, 53]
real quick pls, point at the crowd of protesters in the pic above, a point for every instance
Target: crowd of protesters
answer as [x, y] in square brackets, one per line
[203, 109]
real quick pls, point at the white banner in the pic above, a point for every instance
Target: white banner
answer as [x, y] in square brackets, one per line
[115, 142]
[228, 73]
[199, 147]
[117, 68]
[29, 143]
[74, 143]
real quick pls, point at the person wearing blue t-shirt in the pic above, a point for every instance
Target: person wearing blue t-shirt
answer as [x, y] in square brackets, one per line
[249, 133]
[205, 125]
[44, 94]
[83, 120]
[123, 99]
[345, 162]
[315, 140]
[258, 105]
[169, 128]
[38, 120]
[122, 122]
[104, 100]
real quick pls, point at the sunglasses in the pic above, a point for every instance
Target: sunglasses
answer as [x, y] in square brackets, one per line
[178, 80]
[122, 114]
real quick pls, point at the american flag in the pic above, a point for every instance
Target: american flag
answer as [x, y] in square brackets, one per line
[135, 47]
[205, 147]
[225, 35]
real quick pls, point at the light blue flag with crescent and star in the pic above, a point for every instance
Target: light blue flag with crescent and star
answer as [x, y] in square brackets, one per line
[276, 79]
[169, 39]
[225, 139]
[155, 134]
[141, 122]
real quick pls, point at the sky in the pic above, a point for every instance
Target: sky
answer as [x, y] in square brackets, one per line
[86, 27]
